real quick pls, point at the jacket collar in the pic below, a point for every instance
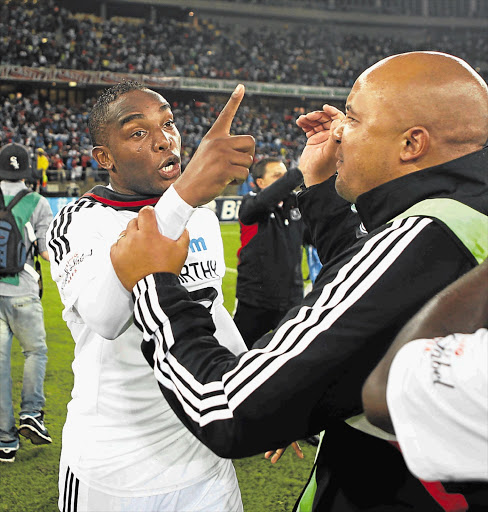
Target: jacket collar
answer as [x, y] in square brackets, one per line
[464, 179]
[117, 201]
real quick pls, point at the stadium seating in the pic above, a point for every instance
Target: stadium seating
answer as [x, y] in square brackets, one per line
[49, 36]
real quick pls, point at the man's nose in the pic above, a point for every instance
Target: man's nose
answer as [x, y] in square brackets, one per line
[337, 132]
[162, 141]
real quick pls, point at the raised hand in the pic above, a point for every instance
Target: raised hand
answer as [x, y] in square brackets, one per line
[219, 160]
[318, 160]
[141, 250]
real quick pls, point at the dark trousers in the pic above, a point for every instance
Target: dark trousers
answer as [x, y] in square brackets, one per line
[253, 322]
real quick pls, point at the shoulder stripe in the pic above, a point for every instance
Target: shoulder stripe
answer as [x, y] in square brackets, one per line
[58, 240]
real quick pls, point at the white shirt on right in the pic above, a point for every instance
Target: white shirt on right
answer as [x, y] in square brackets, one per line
[437, 396]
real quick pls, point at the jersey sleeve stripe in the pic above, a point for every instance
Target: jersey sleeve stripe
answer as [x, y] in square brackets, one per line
[361, 263]
[293, 337]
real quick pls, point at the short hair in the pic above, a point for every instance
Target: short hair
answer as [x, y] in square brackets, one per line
[259, 168]
[98, 117]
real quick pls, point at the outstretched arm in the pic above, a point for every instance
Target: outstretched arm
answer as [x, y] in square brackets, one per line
[311, 368]
[254, 206]
[461, 308]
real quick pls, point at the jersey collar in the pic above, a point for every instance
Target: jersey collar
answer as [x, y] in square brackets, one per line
[117, 201]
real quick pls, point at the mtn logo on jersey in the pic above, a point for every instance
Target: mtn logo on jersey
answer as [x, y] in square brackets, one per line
[198, 244]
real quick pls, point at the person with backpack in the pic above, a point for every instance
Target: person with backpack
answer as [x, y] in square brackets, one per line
[24, 219]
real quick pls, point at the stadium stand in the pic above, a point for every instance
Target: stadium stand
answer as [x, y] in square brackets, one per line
[42, 40]
[56, 37]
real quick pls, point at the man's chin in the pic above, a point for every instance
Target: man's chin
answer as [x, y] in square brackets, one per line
[164, 184]
[343, 190]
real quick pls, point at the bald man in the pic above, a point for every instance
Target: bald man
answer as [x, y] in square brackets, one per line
[410, 154]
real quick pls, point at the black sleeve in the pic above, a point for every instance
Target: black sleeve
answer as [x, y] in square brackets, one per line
[256, 206]
[332, 225]
[313, 366]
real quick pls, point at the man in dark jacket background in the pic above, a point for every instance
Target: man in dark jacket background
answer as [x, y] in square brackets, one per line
[269, 272]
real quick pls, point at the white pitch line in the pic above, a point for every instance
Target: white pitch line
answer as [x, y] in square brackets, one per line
[232, 270]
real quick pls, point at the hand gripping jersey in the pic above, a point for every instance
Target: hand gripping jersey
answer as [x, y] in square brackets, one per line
[120, 436]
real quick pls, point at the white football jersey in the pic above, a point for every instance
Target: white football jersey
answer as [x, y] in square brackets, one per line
[120, 435]
[437, 397]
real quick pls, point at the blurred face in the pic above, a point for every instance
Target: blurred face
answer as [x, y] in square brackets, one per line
[143, 145]
[274, 171]
[369, 141]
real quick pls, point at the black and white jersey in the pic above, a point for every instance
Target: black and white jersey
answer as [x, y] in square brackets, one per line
[137, 446]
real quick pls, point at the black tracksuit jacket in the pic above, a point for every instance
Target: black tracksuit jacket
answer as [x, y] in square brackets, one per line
[269, 271]
[307, 375]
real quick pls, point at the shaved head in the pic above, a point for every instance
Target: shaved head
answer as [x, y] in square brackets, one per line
[406, 113]
[435, 90]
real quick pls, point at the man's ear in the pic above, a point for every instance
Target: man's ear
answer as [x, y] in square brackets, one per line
[415, 144]
[102, 155]
[259, 182]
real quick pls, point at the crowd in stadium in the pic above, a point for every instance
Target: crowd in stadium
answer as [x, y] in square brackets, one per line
[207, 49]
[56, 37]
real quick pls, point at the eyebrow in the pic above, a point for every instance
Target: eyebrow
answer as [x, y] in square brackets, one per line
[131, 117]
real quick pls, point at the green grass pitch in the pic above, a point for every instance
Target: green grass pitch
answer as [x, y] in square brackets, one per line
[30, 483]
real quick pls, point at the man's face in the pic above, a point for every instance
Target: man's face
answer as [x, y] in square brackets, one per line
[143, 145]
[274, 171]
[370, 138]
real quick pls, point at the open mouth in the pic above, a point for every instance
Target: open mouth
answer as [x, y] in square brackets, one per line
[170, 168]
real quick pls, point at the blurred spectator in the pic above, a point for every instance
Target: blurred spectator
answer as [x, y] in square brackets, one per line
[21, 309]
[42, 167]
[246, 187]
[313, 260]
[58, 165]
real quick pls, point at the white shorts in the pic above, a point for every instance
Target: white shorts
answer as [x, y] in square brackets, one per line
[219, 493]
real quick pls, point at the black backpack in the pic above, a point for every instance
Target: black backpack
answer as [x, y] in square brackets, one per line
[12, 245]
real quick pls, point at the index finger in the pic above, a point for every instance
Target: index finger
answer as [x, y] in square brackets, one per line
[224, 121]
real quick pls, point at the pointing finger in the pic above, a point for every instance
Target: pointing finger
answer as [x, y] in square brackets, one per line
[224, 121]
